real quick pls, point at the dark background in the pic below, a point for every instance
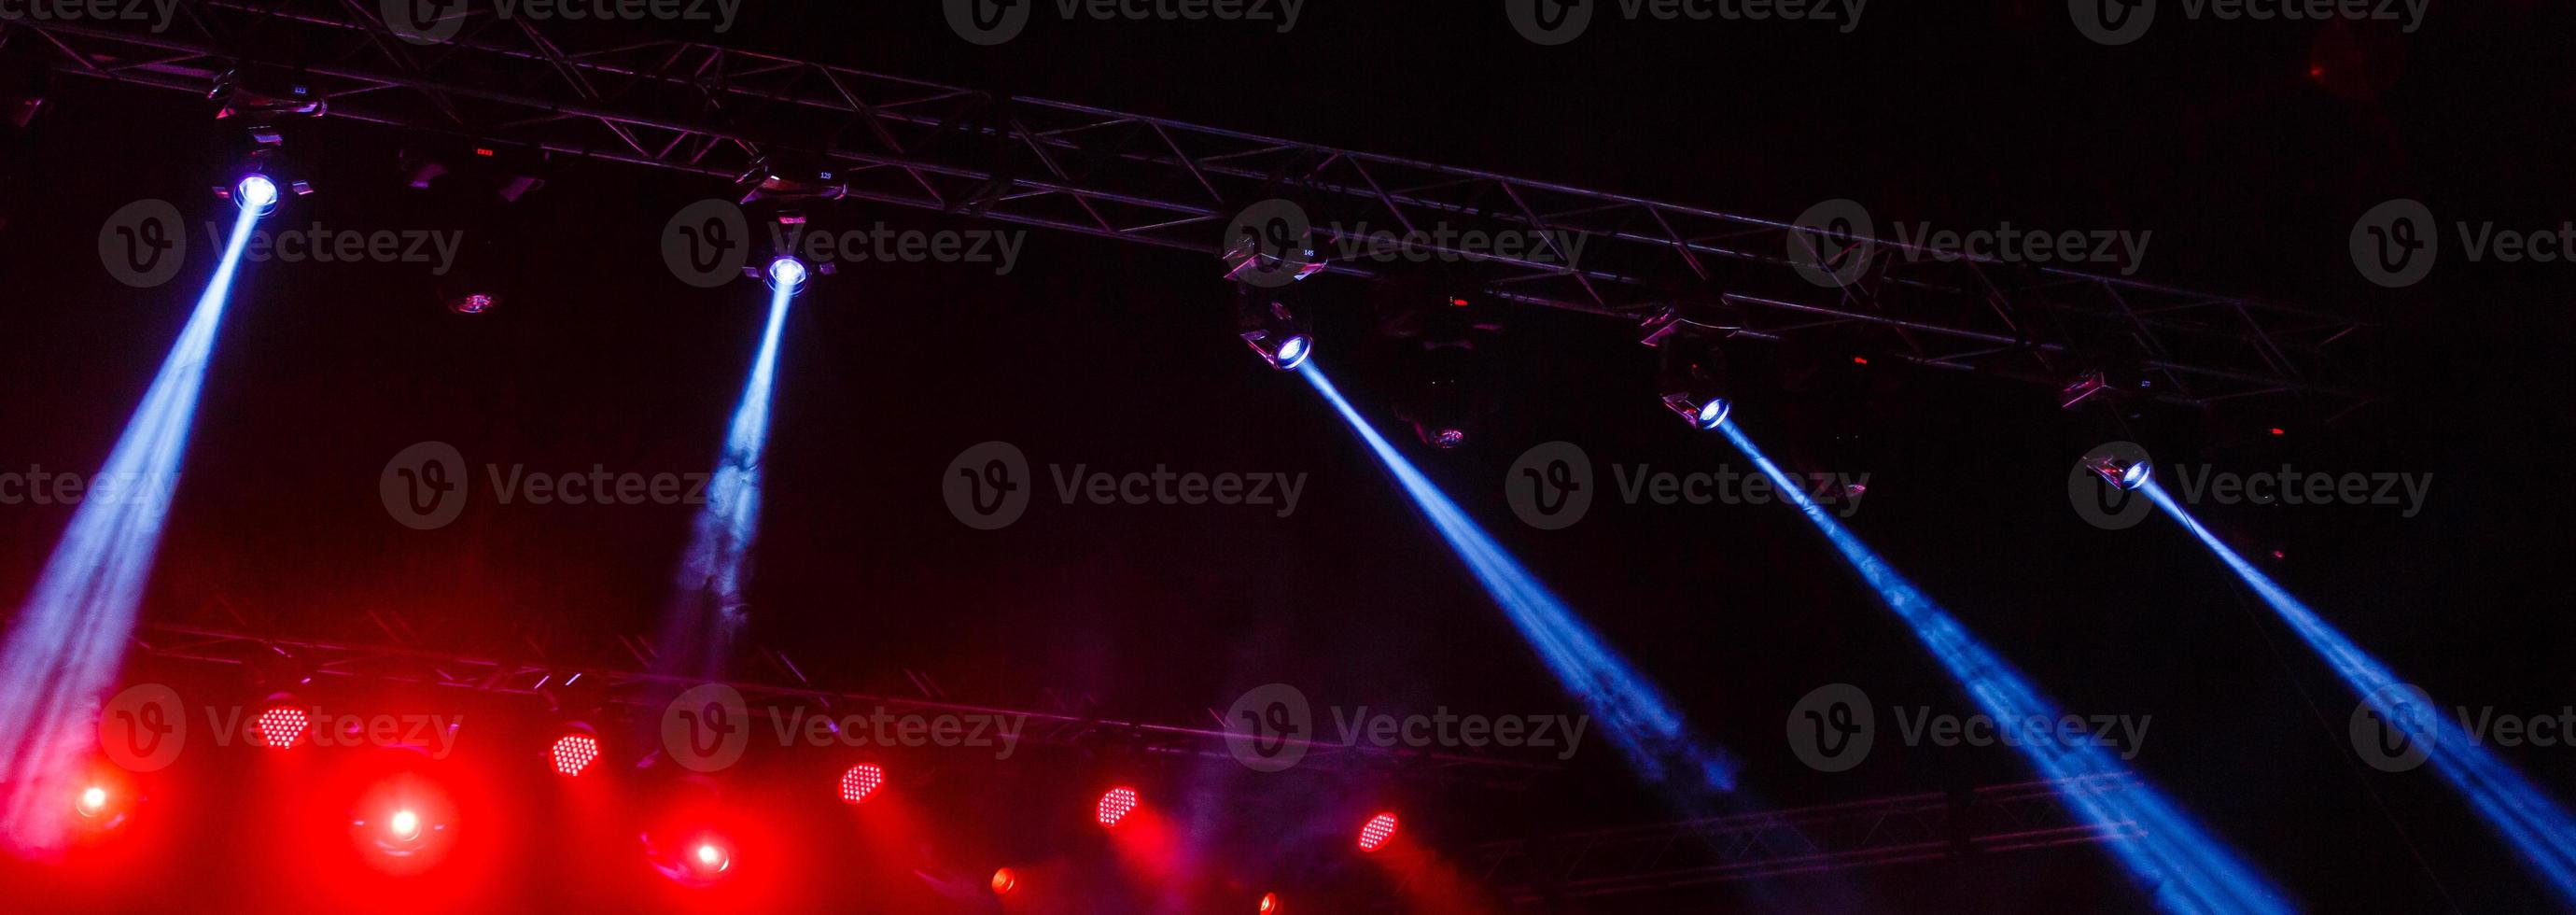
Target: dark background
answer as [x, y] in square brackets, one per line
[2248, 166]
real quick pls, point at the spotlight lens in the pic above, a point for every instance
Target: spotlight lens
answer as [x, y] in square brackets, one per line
[405, 825]
[1004, 881]
[1714, 412]
[1115, 806]
[1448, 438]
[281, 726]
[92, 801]
[1377, 831]
[2135, 476]
[1293, 352]
[256, 192]
[573, 753]
[861, 782]
[787, 271]
[473, 303]
[1269, 904]
[708, 855]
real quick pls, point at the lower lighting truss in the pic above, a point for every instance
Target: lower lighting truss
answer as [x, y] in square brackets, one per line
[648, 99]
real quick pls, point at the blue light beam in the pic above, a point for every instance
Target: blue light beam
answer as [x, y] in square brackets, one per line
[2537, 828]
[1635, 714]
[700, 626]
[68, 642]
[2185, 868]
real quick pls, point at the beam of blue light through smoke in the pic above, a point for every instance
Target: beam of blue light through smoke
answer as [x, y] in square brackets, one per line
[2185, 868]
[698, 630]
[1636, 715]
[68, 641]
[2538, 829]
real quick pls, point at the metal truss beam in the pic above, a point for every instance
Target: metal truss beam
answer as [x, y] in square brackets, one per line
[1896, 830]
[702, 108]
[635, 692]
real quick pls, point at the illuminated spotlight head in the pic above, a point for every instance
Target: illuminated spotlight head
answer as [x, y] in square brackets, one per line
[861, 782]
[473, 303]
[92, 802]
[1004, 881]
[1115, 806]
[708, 859]
[572, 754]
[1269, 904]
[1273, 332]
[1445, 439]
[281, 725]
[1378, 831]
[786, 273]
[1692, 373]
[256, 192]
[403, 826]
[2123, 472]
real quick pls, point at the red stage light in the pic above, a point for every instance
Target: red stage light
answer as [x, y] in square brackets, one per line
[403, 826]
[1115, 806]
[2276, 430]
[1004, 881]
[93, 801]
[861, 782]
[1269, 904]
[710, 859]
[280, 726]
[1380, 828]
[573, 753]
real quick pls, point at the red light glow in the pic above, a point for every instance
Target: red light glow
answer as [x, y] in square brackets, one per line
[281, 726]
[93, 800]
[1375, 834]
[1004, 881]
[1269, 904]
[1115, 806]
[861, 782]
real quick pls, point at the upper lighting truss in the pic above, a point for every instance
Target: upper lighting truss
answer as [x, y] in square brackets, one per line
[635, 94]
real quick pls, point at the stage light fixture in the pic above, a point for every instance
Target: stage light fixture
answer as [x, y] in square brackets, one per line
[1379, 830]
[1269, 904]
[1004, 881]
[1274, 333]
[473, 303]
[282, 723]
[572, 754]
[2120, 471]
[403, 826]
[1692, 372]
[1115, 806]
[93, 801]
[861, 782]
[787, 273]
[708, 859]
